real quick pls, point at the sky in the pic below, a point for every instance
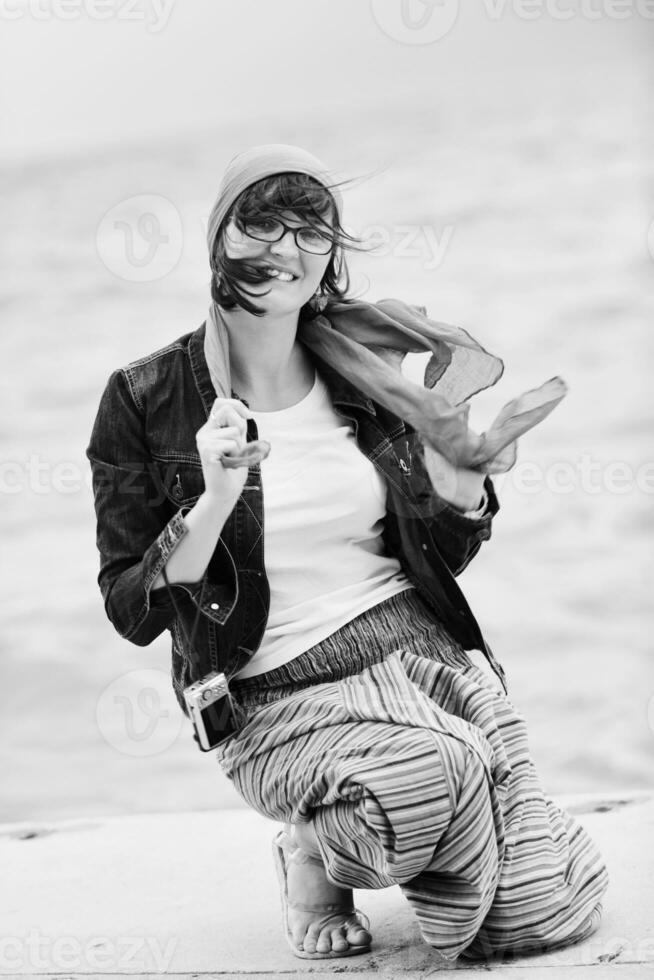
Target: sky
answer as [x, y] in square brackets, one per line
[78, 74]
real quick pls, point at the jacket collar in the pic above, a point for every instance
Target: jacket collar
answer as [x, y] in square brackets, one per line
[341, 391]
[200, 368]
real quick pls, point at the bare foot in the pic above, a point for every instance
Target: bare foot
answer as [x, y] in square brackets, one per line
[307, 882]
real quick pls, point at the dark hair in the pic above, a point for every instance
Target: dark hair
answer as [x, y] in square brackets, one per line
[309, 200]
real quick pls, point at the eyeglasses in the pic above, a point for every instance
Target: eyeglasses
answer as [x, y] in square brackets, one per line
[272, 230]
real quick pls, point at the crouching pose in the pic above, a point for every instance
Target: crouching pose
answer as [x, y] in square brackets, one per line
[273, 491]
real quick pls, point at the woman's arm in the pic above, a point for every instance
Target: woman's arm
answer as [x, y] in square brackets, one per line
[459, 536]
[460, 487]
[223, 434]
[204, 524]
[136, 536]
[457, 525]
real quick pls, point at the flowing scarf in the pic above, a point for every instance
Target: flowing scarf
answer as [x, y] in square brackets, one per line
[366, 344]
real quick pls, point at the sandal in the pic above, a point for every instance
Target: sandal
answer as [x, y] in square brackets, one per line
[283, 853]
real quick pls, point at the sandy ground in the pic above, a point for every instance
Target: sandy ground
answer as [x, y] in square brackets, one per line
[195, 894]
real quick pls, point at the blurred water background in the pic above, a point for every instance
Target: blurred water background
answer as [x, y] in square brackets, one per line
[507, 170]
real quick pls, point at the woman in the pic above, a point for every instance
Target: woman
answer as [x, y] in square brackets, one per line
[304, 538]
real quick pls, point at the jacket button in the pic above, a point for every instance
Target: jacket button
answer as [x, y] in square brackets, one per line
[215, 605]
[424, 546]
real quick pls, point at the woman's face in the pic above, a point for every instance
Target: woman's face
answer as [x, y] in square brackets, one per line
[283, 257]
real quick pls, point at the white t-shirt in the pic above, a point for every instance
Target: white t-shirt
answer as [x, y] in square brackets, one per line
[324, 505]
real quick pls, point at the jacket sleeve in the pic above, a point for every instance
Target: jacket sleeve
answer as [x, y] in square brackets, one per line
[135, 533]
[457, 537]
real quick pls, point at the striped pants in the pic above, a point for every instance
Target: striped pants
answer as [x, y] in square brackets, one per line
[415, 770]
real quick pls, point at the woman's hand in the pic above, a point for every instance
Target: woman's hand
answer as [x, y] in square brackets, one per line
[461, 487]
[223, 434]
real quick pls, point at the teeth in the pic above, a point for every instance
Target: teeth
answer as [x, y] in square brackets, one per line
[278, 274]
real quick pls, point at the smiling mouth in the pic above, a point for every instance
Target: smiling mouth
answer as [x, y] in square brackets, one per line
[281, 275]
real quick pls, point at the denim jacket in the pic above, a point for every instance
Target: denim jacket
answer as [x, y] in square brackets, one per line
[147, 474]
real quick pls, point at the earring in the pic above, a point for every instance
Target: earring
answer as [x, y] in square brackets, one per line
[318, 301]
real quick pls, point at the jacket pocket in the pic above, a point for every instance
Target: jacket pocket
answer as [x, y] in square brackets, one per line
[179, 476]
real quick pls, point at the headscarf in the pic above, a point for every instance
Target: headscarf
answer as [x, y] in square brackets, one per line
[367, 342]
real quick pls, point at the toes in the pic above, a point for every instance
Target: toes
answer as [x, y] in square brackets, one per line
[331, 937]
[299, 936]
[324, 943]
[357, 935]
[310, 941]
[338, 941]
